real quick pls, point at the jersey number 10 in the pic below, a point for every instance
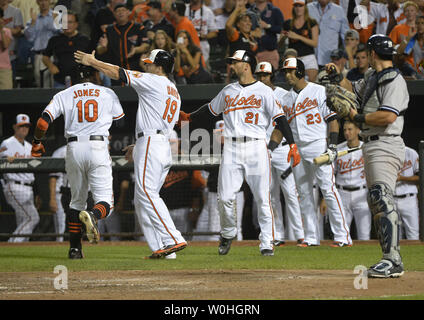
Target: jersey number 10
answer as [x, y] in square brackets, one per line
[86, 111]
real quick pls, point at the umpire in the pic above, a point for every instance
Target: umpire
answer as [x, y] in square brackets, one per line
[383, 99]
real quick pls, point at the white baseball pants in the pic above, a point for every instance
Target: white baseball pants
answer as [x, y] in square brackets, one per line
[356, 206]
[152, 161]
[288, 187]
[248, 161]
[21, 199]
[304, 174]
[408, 210]
[59, 217]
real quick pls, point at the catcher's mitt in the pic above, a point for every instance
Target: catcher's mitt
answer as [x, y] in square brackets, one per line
[340, 100]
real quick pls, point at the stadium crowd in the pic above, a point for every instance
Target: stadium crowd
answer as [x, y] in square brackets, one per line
[38, 37]
[35, 52]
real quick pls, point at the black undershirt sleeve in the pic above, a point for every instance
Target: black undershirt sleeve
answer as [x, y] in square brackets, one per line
[46, 117]
[123, 76]
[282, 125]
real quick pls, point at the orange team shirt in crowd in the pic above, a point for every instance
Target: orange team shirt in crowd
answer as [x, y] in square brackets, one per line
[285, 7]
[399, 33]
[139, 12]
[187, 25]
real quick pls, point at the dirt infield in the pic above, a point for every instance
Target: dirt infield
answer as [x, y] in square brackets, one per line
[205, 284]
[200, 285]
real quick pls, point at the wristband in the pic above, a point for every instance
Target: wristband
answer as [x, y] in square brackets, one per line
[359, 118]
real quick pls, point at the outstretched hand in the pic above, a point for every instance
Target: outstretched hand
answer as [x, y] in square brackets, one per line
[37, 149]
[84, 58]
[293, 154]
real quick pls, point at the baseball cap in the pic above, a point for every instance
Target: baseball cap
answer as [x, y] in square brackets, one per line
[290, 63]
[352, 34]
[298, 1]
[22, 119]
[338, 54]
[263, 67]
[152, 56]
[121, 5]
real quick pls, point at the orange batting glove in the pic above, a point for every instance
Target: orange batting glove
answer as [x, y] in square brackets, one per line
[37, 149]
[184, 117]
[293, 153]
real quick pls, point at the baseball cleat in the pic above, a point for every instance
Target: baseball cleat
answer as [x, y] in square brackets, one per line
[171, 249]
[91, 228]
[338, 244]
[171, 256]
[279, 243]
[75, 253]
[385, 269]
[153, 256]
[267, 252]
[224, 245]
[303, 244]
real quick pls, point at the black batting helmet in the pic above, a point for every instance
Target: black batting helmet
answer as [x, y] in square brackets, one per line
[381, 44]
[161, 58]
[244, 56]
[297, 64]
[81, 73]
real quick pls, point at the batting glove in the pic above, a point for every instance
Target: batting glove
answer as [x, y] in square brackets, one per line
[293, 153]
[332, 153]
[37, 149]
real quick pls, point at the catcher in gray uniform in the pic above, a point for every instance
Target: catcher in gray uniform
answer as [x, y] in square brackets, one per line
[382, 99]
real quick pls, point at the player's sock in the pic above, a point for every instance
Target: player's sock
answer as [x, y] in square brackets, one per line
[74, 227]
[101, 210]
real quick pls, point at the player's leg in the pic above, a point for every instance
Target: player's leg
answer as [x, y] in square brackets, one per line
[258, 177]
[152, 160]
[362, 214]
[304, 185]
[59, 217]
[214, 221]
[239, 210]
[382, 163]
[409, 213]
[325, 179]
[348, 202]
[277, 208]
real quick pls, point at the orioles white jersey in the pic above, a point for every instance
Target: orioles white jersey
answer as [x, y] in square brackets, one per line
[247, 110]
[410, 168]
[158, 101]
[350, 167]
[17, 150]
[307, 113]
[88, 109]
[279, 94]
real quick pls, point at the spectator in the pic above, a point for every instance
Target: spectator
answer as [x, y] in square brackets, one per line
[188, 65]
[181, 22]
[302, 32]
[104, 17]
[406, 36]
[222, 11]
[239, 32]
[271, 23]
[13, 20]
[332, 24]
[25, 6]
[62, 48]
[203, 20]
[413, 45]
[6, 81]
[351, 45]
[39, 30]
[163, 41]
[123, 42]
[362, 64]
[395, 15]
[140, 10]
[339, 58]
[157, 21]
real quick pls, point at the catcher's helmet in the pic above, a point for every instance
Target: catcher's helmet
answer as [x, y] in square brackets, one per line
[244, 56]
[295, 63]
[381, 44]
[161, 58]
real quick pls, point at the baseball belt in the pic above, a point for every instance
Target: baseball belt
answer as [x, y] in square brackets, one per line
[95, 138]
[375, 137]
[350, 188]
[21, 182]
[142, 134]
[405, 195]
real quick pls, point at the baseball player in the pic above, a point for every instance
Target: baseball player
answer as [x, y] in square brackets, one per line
[159, 106]
[351, 182]
[18, 187]
[281, 172]
[88, 110]
[248, 107]
[383, 98]
[310, 119]
[406, 195]
[56, 181]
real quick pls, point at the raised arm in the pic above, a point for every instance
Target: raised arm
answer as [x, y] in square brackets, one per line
[87, 59]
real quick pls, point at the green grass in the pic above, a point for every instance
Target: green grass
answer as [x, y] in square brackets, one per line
[121, 257]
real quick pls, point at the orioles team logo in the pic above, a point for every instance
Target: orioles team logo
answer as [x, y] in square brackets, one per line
[233, 104]
[349, 165]
[300, 107]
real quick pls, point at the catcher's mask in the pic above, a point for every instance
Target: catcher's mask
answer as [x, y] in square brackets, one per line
[296, 64]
